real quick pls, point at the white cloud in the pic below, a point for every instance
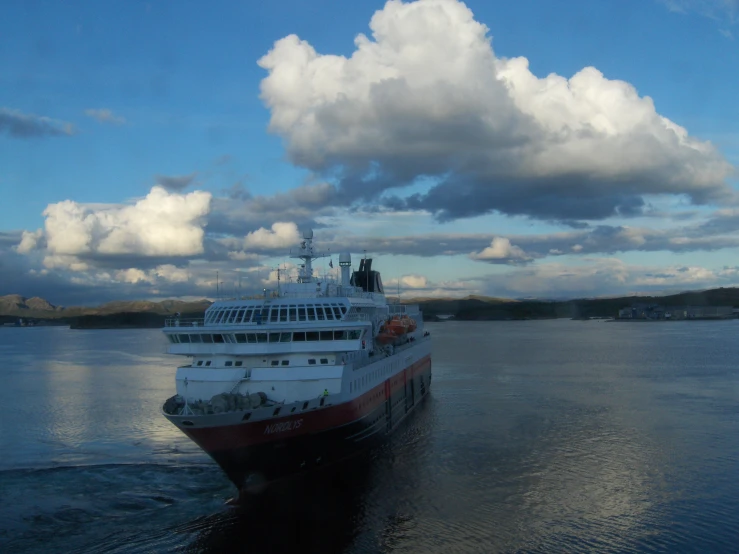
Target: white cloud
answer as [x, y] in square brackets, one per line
[29, 241]
[134, 275]
[280, 236]
[501, 250]
[172, 273]
[161, 224]
[104, 115]
[427, 97]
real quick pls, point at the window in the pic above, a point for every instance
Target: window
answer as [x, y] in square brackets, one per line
[327, 335]
[240, 338]
[238, 363]
[251, 338]
[172, 338]
[339, 335]
[312, 361]
[217, 338]
[247, 315]
[261, 337]
[273, 313]
[298, 337]
[324, 360]
[293, 313]
[184, 338]
[276, 412]
[274, 337]
[240, 315]
[200, 362]
[311, 335]
[301, 313]
[285, 337]
[229, 363]
[275, 362]
[354, 334]
[305, 405]
[283, 313]
[329, 312]
[337, 312]
[207, 338]
[195, 338]
[207, 364]
[319, 313]
[285, 362]
[311, 313]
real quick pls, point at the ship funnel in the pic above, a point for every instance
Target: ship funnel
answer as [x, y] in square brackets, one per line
[345, 262]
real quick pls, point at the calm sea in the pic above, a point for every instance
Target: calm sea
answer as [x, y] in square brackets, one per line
[538, 436]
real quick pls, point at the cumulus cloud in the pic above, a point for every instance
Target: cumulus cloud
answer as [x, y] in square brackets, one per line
[161, 224]
[281, 235]
[29, 241]
[604, 276]
[176, 182]
[19, 125]
[501, 251]
[426, 98]
[104, 115]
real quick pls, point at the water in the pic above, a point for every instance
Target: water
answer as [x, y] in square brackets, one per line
[537, 437]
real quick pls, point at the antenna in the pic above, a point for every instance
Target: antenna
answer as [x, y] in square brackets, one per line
[218, 292]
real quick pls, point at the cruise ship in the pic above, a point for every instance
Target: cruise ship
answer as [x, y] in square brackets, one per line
[302, 376]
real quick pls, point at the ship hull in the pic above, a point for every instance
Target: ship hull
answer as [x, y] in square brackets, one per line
[253, 454]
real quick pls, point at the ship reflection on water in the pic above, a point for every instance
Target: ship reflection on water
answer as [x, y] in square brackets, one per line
[319, 511]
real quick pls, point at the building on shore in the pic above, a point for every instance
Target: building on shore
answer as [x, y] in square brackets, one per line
[657, 312]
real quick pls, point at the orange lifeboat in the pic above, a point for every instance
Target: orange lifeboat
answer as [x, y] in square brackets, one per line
[385, 336]
[398, 326]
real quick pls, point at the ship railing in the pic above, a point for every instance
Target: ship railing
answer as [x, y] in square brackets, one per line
[184, 322]
[410, 309]
[356, 317]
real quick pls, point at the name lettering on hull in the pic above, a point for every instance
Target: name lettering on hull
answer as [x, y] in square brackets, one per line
[283, 426]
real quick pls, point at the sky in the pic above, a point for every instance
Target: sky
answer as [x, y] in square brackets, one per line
[150, 150]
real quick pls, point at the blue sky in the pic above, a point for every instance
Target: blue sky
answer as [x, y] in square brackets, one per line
[138, 155]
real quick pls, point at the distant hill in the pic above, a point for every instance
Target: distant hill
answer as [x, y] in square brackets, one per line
[38, 308]
[144, 313]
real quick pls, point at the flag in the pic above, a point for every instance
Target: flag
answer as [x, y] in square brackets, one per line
[331, 264]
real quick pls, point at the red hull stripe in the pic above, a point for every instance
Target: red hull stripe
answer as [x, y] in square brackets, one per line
[215, 439]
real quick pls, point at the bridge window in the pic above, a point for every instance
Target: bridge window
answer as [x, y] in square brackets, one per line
[274, 337]
[302, 313]
[285, 362]
[184, 338]
[311, 335]
[240, 315]
[275, 362]
[337, 312]
[207, 338]
[319, 313]
[251, 338]
[324, 360]
[283, 313]
[312, 361]
[339, 335]
[285, 337]
[238, 363]
[261, 337]
[293, 313]
[229, 363]
[218, 338]
[195, 338]
[240, 338]
[247, 315]
[354, 334]
[200, 362]
[207, 364]
[327, 335]
[299, 337]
